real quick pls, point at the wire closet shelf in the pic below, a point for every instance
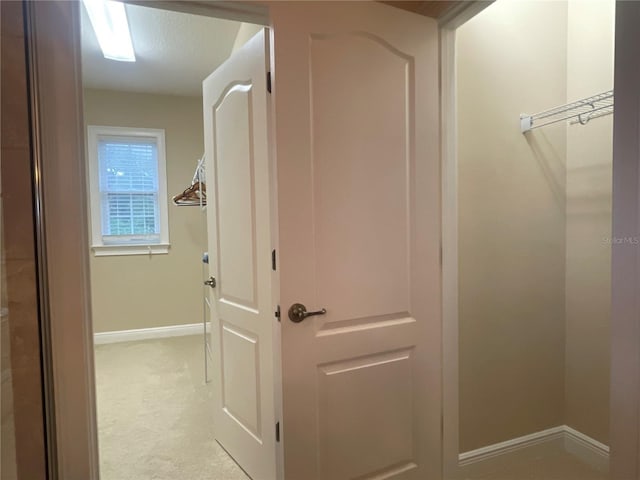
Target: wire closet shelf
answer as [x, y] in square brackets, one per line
[580, 112]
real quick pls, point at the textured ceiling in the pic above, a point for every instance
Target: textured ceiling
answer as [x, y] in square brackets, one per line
[174, 52]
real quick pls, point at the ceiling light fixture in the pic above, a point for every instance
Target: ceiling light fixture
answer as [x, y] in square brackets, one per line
[109, 21]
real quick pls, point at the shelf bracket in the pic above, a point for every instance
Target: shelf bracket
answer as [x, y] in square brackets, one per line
[526, 122]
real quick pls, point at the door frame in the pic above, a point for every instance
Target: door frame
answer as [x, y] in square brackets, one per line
[449, 187]
[625, 309]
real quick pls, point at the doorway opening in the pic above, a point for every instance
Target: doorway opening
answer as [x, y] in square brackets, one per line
[150, 276]
[527, 273]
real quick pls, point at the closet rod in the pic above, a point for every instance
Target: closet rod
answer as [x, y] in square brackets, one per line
[576, 112]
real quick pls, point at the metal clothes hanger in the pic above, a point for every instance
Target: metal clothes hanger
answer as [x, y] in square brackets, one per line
[196, 193]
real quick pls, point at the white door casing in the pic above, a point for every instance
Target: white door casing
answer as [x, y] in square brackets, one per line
[239, 226]
[357, 145]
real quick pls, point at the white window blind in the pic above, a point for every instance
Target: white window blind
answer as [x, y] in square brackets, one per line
[128, 179]
[128, 190]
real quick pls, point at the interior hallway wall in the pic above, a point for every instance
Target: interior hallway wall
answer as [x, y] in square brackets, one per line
[512, 58]
[588, 266]
[143, 291]
[245, 33]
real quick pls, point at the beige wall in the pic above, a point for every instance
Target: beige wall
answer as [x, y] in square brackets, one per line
[141, 291]
[588, 266]
[511, 222]
[245, 33]
[534, 222]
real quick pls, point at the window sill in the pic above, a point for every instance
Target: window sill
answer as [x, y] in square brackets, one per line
[117, 250]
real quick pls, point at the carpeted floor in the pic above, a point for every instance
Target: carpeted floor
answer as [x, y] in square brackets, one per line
[155, 422]
[155, 414]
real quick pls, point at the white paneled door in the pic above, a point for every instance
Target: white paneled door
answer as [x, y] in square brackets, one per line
[239, 225]
[357, 141]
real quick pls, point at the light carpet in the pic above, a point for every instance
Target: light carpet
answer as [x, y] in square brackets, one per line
[155, 417]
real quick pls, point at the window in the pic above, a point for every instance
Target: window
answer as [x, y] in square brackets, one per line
[128, 190]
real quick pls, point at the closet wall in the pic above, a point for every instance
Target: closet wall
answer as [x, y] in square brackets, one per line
[534, 222]
[142, 291]
[511, 222]
[588, 281]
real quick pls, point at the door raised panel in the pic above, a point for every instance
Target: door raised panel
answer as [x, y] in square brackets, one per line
[235, 197]
[365, 416]
[240, 378]
[361, 174]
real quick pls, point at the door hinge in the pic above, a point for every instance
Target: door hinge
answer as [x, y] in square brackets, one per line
[277, 313]
[269, 82]
[278, 432]
[273, 260]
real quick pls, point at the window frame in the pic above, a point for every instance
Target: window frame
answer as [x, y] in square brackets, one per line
[99, 248]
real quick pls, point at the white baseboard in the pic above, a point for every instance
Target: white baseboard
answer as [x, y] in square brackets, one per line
[577, 443]
[147, 333]
[586, 448]
[508, 446]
